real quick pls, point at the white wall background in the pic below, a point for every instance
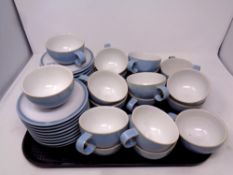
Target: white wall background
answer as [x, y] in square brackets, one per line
[147, 25]
[14, 51]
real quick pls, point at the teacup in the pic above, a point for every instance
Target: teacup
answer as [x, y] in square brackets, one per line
[143, 62]
[101, 127]
[135, 101]
[188, 86]
[151, 129]
[153, 155]
[118, 104]
[178, 106]
[111, 59]
[106, 87]
[107, 151]
[148, 85]
[201, 131]
[49, 86]
[173, 64]
[66, 49]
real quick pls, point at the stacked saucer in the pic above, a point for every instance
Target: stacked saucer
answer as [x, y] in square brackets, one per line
[54, 127]
[85, 69]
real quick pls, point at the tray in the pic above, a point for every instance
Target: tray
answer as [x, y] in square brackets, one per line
[47, 157]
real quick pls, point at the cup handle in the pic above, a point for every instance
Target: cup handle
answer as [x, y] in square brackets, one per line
[81, 58]
[131, 66]
[163, 94]
[83, 146]
[172, 115]
[131, 104]
[128, 138]
[83, 78]
[171, 57]
[196, 67]
[107, 45]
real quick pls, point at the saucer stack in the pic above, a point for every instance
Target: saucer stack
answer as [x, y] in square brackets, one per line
[54, 127]
[85, 69]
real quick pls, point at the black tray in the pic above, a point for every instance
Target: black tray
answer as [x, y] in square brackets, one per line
[47, 157]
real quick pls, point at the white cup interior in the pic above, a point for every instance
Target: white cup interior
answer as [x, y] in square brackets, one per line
[155, 125]
[146, 79]
[64, 43]
[145, 56]
[47, 81]
[188, 86]
[170, 66]
[111, 59]
[201, 128]
[107, 86]
[103, 120]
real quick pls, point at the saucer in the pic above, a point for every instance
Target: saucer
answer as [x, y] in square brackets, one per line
[55, 127]
[46, 59]
[37, 116]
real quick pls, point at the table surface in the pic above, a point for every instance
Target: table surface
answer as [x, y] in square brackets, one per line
[219, 102]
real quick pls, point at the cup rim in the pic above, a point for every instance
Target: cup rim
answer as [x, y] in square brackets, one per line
[148, 138]
[154, 74]
[71, 82]
[85, 114]
[195, 72]
[110, 48]
[213, 116]
[48, 42]
[144, 56]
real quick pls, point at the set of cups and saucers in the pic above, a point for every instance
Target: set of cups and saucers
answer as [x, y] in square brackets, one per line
[109, 102]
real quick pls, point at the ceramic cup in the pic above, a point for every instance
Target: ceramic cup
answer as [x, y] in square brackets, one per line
[151, 129]
[201, 131]
[101, 127]
[148, 85]
[106, 87]
[153, 155]
[143, 62]
[111, 59]
[107, 151]
[178, 106]
[135, 101]
[49, 86]
[173, 64]
[66, 49]
[120, 104]
[188, 86]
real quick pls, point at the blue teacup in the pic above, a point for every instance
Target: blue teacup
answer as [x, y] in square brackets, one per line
[151, 129]
[146, 87]
[101, 127]
[66, 49]
[143, 62]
